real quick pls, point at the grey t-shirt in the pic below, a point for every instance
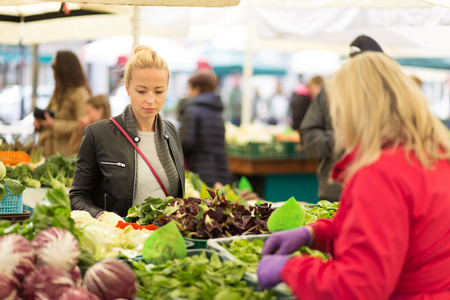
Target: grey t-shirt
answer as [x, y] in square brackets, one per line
[147, 185]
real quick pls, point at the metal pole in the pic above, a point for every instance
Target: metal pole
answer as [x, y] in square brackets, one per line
[247, 72]
[136, 25]
[34, 82]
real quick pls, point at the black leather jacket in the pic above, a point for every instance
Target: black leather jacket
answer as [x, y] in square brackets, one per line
[105, 171]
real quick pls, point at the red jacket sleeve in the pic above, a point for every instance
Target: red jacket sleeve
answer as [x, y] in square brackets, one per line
[370, 235]
[322, 231]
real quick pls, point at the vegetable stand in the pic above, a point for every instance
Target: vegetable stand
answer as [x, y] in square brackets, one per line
[279, 179]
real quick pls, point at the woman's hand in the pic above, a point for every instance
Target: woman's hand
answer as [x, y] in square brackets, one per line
[37, 124]
[48, 122]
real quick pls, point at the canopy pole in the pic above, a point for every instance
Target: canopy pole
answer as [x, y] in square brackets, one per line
[136, 26]
[247, 74]
[34, 81]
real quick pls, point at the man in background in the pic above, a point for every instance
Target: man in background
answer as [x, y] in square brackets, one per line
[316, 132]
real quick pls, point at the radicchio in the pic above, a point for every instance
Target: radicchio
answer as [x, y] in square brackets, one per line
[16, 255]
[8, 287]
[78, 294]
[110, 279]
[56, 247]
[46, 283]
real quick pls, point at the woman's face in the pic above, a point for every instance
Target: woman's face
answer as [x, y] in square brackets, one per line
[94, 114]
[147, 90]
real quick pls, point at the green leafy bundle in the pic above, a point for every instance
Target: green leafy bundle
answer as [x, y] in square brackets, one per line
[196, 278]
[145, 213]
[323, 210]
[249, 252]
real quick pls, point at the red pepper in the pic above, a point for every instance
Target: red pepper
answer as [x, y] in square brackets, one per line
[136, 226]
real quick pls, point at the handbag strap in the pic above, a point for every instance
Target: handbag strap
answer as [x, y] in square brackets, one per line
[140, 153]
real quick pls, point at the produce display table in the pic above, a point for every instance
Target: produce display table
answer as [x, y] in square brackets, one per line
[32, 196]
[281, 178]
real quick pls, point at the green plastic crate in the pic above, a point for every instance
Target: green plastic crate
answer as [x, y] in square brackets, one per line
[197, 243]
[259, 151]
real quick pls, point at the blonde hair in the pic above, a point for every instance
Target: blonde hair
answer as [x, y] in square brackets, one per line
[373, 104]
[144, 57]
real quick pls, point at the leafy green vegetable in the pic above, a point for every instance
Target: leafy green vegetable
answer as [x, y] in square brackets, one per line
[211, 218]
[196, 278]
[323, 210]
[13, 186]
[147, 212]
[48, 174]
[24, 175]
[249, 252]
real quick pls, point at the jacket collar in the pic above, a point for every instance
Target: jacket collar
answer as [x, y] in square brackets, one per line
[339, 168]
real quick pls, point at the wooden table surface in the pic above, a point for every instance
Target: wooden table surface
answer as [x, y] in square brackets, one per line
[249, 167]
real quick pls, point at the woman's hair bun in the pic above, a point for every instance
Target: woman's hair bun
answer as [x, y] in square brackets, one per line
[142, 48]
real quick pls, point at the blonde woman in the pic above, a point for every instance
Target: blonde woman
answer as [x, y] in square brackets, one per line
[137, 154]
[390, 238]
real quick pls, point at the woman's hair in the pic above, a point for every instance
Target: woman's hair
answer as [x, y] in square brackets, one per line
[373, 104]
[317, 80]
[68, 74]
[144, 57]
[204, 80]
[417, 80]
[101, 101]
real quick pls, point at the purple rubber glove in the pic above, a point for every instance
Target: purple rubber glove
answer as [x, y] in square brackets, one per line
[287, 242]
[269, 270]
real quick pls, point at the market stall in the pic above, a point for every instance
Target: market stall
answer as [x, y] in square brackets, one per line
[272, 159]
[64, 254]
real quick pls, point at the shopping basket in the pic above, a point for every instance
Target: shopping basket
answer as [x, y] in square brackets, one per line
[14, 157]
[11, 203]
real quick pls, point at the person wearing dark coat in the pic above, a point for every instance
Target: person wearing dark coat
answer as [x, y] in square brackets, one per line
[316, 132]
[202, 130]
[302, 97]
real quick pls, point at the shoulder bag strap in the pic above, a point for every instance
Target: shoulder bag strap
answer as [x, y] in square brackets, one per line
[140, 153]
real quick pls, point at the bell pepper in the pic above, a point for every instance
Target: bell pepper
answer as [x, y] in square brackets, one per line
[136, 226]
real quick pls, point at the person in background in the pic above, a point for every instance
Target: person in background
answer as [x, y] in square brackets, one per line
[135, 155]
[316, 133]
[202, 130]
[235, 101]
[390, 237]
[97, 108]
[67, 103]
[302, 97]
[278, 106]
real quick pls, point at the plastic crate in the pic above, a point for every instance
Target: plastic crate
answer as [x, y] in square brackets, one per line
[282, 290]
[295, 150]
[16, 218]
[196, 243]
[11, 203]
[14, 157]
[259, 151]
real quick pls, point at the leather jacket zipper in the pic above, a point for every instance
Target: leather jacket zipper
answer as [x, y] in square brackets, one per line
[134, 177]
[119, 164]
[174, 159]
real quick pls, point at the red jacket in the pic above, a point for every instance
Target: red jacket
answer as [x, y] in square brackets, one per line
[390, 238]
